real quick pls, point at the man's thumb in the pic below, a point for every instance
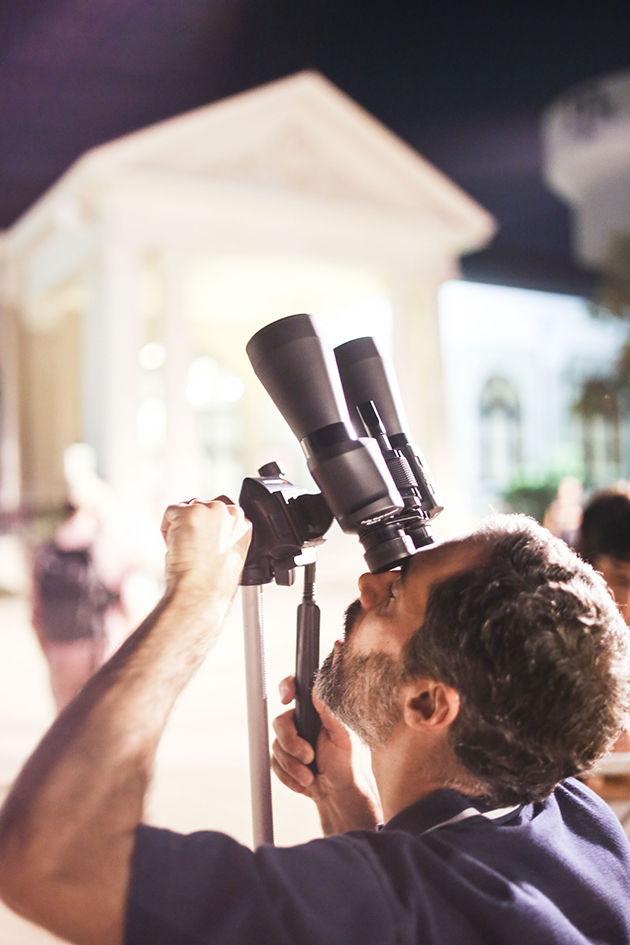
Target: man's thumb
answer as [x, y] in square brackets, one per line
[329, 721]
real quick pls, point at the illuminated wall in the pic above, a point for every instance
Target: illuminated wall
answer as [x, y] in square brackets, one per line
[515, 363]
[139, 277]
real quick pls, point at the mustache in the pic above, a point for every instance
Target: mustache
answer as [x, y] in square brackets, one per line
[350, 617]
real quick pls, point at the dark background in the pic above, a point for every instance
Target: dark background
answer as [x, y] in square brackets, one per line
[464, 83]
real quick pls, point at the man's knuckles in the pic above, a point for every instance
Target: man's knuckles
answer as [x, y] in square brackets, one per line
[286, 779]
[284, 724]
[288, 738]
[291, 766]
[286, 688]
[284, 727]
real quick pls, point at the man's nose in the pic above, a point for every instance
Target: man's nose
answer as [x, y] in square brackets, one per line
[374, 588]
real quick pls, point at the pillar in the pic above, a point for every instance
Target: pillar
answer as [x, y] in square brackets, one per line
[110, 365]
[418, 362]
[181, 461]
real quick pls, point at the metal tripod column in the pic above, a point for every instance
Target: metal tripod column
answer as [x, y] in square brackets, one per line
[259, 773]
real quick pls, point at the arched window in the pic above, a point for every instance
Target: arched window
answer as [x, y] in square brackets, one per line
[598, 408]
[500, 414]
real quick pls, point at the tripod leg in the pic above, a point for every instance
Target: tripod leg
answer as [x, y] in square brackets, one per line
[259, 773]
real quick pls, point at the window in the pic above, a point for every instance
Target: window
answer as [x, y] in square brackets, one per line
[598, 408]
[500, 432]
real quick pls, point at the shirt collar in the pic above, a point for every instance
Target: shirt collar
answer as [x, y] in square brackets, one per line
[435, 808]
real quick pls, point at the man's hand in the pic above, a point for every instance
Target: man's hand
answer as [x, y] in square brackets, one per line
[206, 546]
[341, 803]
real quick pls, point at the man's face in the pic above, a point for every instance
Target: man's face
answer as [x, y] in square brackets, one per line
[616, 573]
[360, 680]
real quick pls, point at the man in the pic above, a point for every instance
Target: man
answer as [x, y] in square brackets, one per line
[483, 675]
[604, 540]
[78, 607]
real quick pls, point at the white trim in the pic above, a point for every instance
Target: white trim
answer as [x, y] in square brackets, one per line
[473, 812]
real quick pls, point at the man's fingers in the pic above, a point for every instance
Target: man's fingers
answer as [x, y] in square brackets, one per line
[289, 740]
[337, 731]
[329, 720]
[167, 518]
[286, 779]
[197, 510]
[286, 688]
[185, 511]
[291, 767]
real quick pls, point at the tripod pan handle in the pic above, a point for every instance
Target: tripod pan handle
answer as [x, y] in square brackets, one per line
[307, 662]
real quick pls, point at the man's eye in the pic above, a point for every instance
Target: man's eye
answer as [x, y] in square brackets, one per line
[387, 601]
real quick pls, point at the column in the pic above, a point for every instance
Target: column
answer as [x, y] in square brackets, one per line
[9, 409]
[110, 365]
[182, 466]
[418, 363]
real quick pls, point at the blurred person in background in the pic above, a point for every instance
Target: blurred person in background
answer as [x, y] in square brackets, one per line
[564, 513]
[80, 580]
[78, 608]
[604, 541]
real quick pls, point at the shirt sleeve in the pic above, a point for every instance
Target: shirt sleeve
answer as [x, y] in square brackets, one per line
[207, 888]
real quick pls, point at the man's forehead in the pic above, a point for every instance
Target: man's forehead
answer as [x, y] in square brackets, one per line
[447, 557]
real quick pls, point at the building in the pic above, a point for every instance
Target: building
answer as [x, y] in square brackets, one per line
[130, 288]
[516, 364]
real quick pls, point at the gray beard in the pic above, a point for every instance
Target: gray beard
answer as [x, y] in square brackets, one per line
[362, 689]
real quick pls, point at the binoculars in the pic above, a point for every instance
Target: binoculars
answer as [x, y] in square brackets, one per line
[344, 407]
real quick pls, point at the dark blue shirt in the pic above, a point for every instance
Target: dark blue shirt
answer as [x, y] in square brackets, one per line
[550, 873]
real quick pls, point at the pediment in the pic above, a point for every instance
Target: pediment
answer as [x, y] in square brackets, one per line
[299, 134]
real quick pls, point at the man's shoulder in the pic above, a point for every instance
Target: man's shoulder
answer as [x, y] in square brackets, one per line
[366, 886]
[580, 806]
[572, 793]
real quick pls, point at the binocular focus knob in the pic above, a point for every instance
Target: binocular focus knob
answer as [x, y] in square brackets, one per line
[271, 471]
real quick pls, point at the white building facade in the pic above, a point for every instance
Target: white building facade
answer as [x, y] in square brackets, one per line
[515, 364]
[130, 288]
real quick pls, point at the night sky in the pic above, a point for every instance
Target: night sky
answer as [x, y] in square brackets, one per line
[464, 83]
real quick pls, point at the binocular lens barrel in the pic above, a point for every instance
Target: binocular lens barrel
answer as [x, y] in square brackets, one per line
[366, 376]
[299, 374]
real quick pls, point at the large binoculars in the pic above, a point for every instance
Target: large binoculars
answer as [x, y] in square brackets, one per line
[344, 407]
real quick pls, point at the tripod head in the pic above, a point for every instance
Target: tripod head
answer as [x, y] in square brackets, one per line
[288, 524]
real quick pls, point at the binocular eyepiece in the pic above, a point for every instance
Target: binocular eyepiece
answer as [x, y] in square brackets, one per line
[346, 411]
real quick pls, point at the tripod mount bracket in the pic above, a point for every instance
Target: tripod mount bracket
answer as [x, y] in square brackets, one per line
[288, 524]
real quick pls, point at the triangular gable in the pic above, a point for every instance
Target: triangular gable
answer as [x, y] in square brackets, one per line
[300, 133]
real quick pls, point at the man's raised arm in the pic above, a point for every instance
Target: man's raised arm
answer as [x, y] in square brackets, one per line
[67, 827]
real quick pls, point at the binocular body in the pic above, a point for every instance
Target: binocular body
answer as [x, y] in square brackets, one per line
[344, 407]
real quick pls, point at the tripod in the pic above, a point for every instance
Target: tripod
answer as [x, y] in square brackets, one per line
[288, 524]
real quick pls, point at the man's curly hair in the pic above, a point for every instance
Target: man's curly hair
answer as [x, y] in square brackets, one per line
[534, 644]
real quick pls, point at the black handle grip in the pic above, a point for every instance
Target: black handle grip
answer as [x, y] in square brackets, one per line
[306, 664]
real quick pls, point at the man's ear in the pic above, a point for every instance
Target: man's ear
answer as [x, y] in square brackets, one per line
[429, 704]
